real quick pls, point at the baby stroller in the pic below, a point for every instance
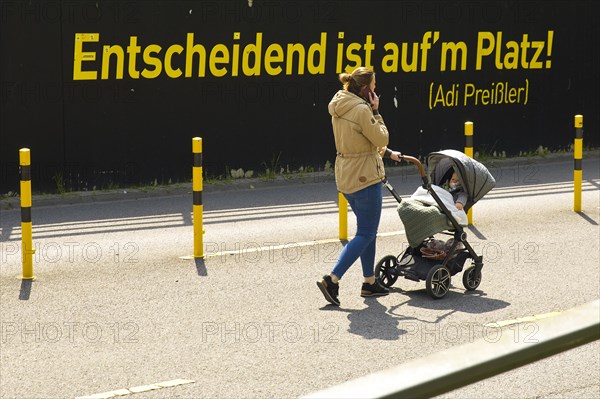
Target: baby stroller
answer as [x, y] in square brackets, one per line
[426, 258]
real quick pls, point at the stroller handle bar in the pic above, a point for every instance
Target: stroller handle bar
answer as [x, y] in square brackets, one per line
[419, 165]
[414, 160]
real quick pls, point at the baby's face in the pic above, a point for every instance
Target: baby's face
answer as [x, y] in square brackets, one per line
[454, 179]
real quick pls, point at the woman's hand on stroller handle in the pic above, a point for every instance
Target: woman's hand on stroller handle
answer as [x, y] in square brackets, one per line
[396, 156]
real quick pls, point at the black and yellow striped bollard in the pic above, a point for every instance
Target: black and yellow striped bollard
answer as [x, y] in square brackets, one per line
[469, 153]
[197, 190]
[26, 224]
[578, 158]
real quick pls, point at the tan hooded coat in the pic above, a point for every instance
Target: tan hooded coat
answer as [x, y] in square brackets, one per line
[360, 139]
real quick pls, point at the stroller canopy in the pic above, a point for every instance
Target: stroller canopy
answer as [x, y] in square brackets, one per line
[476, 180]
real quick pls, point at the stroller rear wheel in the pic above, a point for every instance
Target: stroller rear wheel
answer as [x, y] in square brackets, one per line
[385, 270]
[438, 281]
[471, 278]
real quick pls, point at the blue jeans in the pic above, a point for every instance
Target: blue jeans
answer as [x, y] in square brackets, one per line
[366, 205]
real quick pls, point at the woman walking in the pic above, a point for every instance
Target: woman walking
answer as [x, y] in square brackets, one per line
[361, 139]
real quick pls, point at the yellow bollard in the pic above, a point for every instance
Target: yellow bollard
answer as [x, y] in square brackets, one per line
[469, 153]
[26, 226]
[578, 156]
[343, 216]
[197, 190]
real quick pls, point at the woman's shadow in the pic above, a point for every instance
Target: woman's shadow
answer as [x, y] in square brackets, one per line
[372, 322]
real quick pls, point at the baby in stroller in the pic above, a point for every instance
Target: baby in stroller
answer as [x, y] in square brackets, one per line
[431, 210]
[454, 187]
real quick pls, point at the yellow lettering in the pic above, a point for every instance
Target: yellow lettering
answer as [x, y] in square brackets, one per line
[154, 61]
[498, 61]
[412, 67]
[469, 92]
[426, 46]
[485, 96]
[106, 55]
[439, 97]
[511, 59]
[291, 49]
[340, 52]
[255, 49]
[319, 48]
[512, 94]
[521, 90]
[215, 59]
[454, 48]
[133, 50]
[351, 56]
[172, 73]
[274, 53]
[368, 47]
[389, 63]
[534, 63]
[190, 50]
[80, 56]
[235, 58]
[524, 46]
[482, 49]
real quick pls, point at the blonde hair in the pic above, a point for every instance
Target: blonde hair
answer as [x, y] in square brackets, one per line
[355, 81]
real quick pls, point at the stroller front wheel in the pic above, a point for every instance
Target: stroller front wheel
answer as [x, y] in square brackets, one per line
[438, 281]
[386, 270]
[471, 278]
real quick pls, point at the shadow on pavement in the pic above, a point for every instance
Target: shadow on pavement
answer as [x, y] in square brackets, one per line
[372, 322]
[25, 291]
[476, 232]
[158, 213]
[474, 302]
[201, 267]
[587, 218]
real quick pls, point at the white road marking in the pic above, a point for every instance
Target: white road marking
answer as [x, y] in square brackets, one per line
[283, 246]
[138, 389]
[519, 320]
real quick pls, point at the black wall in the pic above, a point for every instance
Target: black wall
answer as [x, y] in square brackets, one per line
[105, 132]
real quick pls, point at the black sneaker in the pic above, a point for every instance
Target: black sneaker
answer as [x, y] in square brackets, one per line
[375, 289]
[329, 290]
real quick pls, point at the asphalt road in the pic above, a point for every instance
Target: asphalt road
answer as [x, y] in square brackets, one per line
[118, 303]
